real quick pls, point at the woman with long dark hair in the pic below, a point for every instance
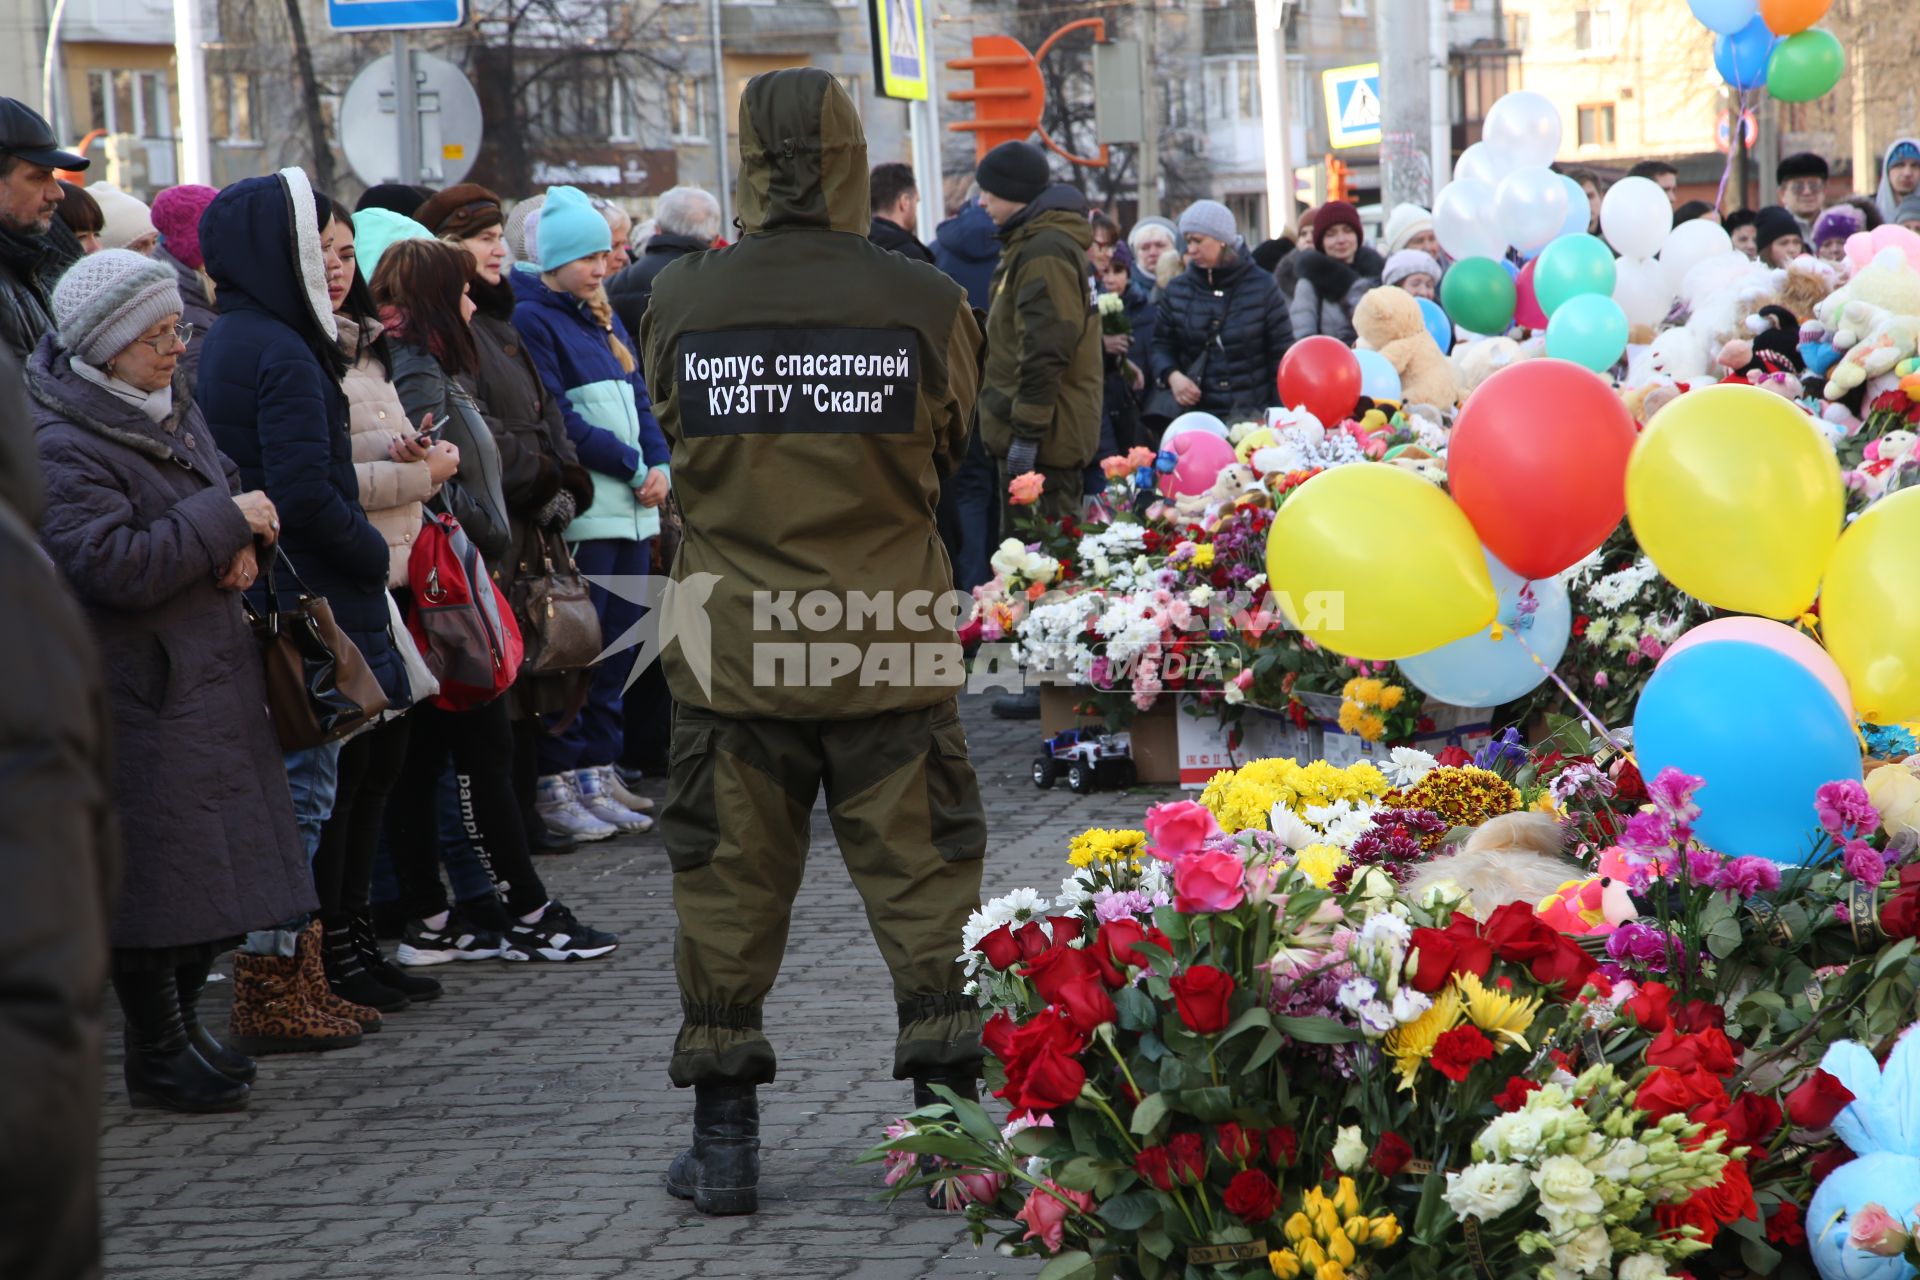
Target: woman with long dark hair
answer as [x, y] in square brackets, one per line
[421, 289]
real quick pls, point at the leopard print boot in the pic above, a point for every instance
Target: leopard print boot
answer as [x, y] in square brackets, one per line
[271, 1012]
[313, 977]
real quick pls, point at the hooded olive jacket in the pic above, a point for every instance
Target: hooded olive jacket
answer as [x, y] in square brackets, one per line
[815, 390]
[1044, 380]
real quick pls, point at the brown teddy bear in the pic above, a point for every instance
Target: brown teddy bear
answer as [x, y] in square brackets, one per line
[1388, 320]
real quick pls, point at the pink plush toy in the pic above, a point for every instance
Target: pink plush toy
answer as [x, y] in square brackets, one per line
[1594, 906]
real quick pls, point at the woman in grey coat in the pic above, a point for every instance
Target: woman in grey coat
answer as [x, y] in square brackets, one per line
[144, 523]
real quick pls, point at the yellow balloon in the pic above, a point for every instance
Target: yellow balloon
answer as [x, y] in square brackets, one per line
[1373, 562]
[1736, 497]
[1870, 608]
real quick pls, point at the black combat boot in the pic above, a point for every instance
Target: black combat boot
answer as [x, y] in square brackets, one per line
[163, 1068]
[720, 1172]
[189, 981]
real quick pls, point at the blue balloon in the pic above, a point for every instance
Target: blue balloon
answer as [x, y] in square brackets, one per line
[1437, 323]
[1480, 671]
[1512, 270]
[1723, 17]
[1741, 58]
[1762, 731]
[1579, 210]
[1379, 380]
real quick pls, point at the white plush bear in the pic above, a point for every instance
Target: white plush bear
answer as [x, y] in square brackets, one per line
[1875, 322]
[1474, 362]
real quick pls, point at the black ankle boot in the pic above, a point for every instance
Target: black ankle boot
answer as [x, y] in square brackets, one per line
[384, 971]
[163, 1068]
[347, 973]
[720, 1173]
[189, 981]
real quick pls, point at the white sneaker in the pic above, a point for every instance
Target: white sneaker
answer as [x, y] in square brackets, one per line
[598, 801]
[610, 779]
[559, 806]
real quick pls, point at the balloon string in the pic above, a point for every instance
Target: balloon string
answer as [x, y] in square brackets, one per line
[1586, 712]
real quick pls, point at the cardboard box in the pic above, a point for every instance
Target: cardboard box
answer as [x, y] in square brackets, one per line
[1156, 748]
[1265, 733]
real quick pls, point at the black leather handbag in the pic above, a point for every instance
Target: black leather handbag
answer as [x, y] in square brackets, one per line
[319, 687]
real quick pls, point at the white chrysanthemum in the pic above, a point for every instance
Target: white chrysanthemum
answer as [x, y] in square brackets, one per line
[1291, 831]
[1407, 765]
[1485, 1191]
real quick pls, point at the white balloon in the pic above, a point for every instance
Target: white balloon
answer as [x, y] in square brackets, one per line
[1636, 217]
[1524, 125]
[1532, 204]
[1641, 288]
[1466, 218]
[1690, 244]
[1193, 421]
[1481, 163]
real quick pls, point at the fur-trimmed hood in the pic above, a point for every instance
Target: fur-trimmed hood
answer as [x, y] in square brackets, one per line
[261, 240]
[1332, 278]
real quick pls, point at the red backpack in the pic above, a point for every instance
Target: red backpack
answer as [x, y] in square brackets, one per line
[460, 621]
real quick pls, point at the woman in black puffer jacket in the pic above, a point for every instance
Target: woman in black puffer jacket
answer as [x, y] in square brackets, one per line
[1223, 325]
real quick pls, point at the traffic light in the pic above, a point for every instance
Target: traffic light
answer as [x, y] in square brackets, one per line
[1008, 94]
[1339, 179]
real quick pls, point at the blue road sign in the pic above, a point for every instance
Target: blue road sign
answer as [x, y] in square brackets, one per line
[394, 15]
[1353, 105]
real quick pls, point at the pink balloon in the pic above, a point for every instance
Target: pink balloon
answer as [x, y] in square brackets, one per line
[1527, 311]
[1202, 457]
[1780, 638]
[1864, 246]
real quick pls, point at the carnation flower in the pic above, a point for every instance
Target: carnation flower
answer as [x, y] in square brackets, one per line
[1744, 877]
[1844, 808]
[1863, 863]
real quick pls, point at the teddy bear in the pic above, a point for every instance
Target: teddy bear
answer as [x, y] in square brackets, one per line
[1389, 321]
[1516, 857]
[1474, 362]
[1884, 462]
[1874, 322]
[1674, 355]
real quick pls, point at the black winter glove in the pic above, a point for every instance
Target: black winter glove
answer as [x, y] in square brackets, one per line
[558, 513]
[1023, 457]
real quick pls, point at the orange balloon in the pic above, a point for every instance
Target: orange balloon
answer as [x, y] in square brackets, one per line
[1788, 17]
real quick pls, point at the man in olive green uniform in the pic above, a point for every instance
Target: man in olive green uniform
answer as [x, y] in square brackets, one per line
[1040, 402]
[815, 389]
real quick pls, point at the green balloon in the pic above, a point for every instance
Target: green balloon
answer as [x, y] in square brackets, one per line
[1478, 295]
[1805, 66]
[1569, 267]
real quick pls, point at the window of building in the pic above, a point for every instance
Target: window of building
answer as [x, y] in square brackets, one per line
[135, 102]
[1218, 78]
[230, 108]
[1247, 72]
[623, 121]
[1596, 125]
[687, 107]
[1353, 8]
[1519, 30]
[1173, 104]
[1592, 29]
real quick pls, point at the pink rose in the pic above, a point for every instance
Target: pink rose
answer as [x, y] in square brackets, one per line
[1877, 1232]
[1179, 828]
[980, 1186]
[1115, 467]
[1208, 882]
[1024, 490]
[1045, 1213]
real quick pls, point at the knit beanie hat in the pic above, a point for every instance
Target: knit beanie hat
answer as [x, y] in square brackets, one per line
[1153, 222]
[1770, 224]
[1015, 171]
[127, 218]
[461, 211]
[1123, 256]
[1838, 223]
[395, 197]
[1334, 213]
[374, 232]
[109, 298]
[1909, 210]
[1403, 224]
[1410, 262]
[570, 229]
[1902, 151]
[527, 210]
[176, 211]
[1209, 218]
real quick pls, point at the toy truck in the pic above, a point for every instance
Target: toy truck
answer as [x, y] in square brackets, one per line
[1088, 759]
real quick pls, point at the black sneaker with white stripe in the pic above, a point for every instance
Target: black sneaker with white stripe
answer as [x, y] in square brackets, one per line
[559, 936]
[459, 939]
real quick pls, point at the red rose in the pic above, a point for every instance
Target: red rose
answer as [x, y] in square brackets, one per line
[1628, 785]
[1047, 1035]
[999, 947]
[1114, 948]
[1452, 757]
[1390, 1156]
[1032, 939]
[1066, 929]
[998, 1035]
[1455, 1052]
[1817, 1100]
[1694, 1211]
[1710, 1050]
[1900, 918]
[1669, 1092]
[1565, 968]
[1086, 1002]
[1827, 1161]
[1152, 1165]
[1188, 1156]
[1649, 1006]
[1785, 1226]
[1514, 1096]
[1518, 935]
[1580, 623]
[1058, 967]
[1732, 1199]
[1699, 1015]
[1201, 995]
[1052, 1080]
[1251, 1197]
[1748, 1121]
[1441, 953]
[1283, 1146]
[1236, 1144]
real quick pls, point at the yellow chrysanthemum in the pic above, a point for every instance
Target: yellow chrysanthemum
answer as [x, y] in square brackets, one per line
[1099, 844]
[1465, 797]
[1372, 727]
[1411, 1043]
[1350, 714]
[1543, 803]
[1320, 862]
[1243, 799]
[1495, 1012]
[1203, 556]
[1390, 697]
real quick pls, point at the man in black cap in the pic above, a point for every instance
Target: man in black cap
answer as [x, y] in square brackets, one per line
[1803, 189]
[30, 195]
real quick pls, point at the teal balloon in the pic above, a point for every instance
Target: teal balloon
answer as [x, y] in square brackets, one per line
[1805, 66]
[1590, 330]
[1570, 267]
[1480, 671]
[1379, 380]
[1579, 211]
[1479, 295]
[1438, 326]
[1742, 57]
[1762, 731]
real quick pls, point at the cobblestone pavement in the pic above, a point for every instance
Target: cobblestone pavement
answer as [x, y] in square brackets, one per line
[520, 1125]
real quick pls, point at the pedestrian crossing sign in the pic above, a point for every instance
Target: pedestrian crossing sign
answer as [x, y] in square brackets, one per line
[1353, 105]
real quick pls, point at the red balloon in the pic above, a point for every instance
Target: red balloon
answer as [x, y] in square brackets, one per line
[1527, 310]
[1322, 376]
[1538, 461]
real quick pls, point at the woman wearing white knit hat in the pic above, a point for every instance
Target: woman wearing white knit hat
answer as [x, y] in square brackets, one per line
[129, 223]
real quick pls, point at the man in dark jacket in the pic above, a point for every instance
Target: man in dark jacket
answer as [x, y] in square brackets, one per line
[687, 221]
[30, 258]
[967, 247]
[895, 196]
[1040, 400]
[815, 389]
[59, 851]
